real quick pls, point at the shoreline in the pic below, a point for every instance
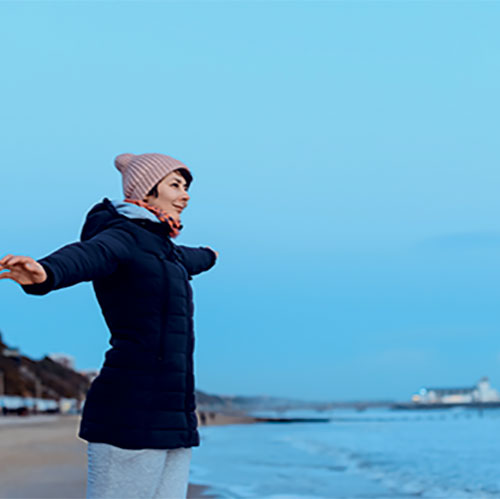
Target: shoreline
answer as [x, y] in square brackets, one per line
[42, 457]
[221, 419]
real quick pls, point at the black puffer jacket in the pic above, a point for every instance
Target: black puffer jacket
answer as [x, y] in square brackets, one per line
[144, 394]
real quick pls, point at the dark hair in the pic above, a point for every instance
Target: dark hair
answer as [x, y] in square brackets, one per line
[183, 173]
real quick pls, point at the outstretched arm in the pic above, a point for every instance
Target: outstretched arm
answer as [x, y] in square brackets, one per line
[71, 264]
[196, 260]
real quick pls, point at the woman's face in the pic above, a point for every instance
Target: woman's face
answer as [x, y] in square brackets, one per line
[172, 195]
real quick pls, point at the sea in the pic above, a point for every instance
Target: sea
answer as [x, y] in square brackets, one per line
[377, 454]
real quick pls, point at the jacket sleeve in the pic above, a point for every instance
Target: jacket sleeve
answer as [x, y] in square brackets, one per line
[195, 260]
[83, 261]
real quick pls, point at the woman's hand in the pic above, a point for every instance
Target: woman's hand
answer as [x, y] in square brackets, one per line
[22, 269]
[216, 252]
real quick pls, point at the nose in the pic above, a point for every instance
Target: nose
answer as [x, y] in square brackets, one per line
[185, 197]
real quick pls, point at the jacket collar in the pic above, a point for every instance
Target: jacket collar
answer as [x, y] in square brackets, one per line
[140, 216]
[133, 211]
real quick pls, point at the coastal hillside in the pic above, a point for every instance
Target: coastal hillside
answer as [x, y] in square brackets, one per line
[45, 378]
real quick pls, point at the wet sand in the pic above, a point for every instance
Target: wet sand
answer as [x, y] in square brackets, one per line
[42, 457]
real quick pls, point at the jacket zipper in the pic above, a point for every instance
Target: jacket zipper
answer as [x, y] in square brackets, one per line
[190, 339]
[163, 334]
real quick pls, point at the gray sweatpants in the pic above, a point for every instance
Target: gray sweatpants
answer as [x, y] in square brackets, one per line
[115, 473]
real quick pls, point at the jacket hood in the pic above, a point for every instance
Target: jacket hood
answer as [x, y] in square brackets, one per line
[101, 216]
[131, 210]
[110, 213]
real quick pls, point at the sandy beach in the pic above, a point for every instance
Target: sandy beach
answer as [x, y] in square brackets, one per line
[42, 457]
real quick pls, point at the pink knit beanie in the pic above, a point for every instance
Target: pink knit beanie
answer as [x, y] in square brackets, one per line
[142, 172]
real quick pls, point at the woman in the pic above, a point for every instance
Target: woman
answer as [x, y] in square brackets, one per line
[139, 416]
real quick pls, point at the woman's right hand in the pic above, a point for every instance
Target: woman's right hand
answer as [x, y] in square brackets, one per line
[22, 269]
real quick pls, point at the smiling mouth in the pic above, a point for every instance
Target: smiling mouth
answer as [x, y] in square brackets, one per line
[179, 208]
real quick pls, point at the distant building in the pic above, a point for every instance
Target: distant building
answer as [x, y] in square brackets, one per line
[11, 352]
[64, 359]
[68, 406]
[481, 392]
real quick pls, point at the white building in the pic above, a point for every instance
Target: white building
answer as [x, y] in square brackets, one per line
[11, 352]
[482, 392]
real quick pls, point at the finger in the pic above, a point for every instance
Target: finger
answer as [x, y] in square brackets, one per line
[6, 275]
[10, 273]
[24, 260]
[5, 258]
[11, 259]
[15, 260]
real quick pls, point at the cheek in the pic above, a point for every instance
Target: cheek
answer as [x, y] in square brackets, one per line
[167, 194]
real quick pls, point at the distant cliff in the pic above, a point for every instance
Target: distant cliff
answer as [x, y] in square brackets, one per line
[20, 375]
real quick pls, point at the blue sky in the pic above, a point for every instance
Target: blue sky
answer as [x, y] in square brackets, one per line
[345, 157]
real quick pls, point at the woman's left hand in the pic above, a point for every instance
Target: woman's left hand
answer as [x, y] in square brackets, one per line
[216, 252]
